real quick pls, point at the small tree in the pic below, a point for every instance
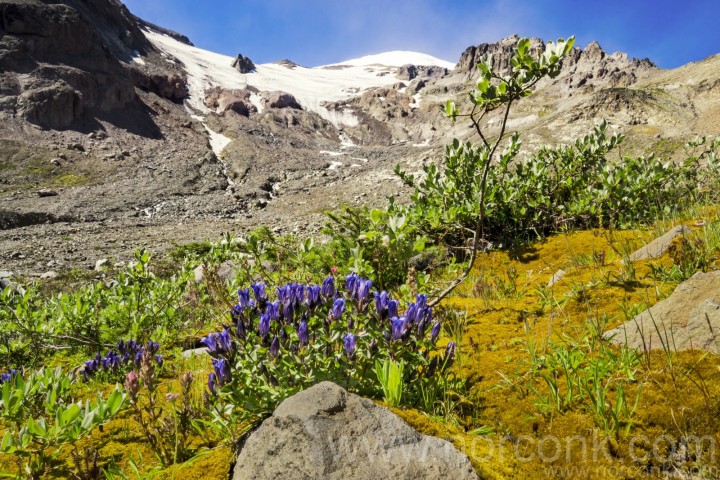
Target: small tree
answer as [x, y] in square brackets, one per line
[493, 91]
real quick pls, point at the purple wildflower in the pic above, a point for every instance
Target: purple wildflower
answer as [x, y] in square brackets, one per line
[349, 344]
[337, 309]
[275, 347]
[264, 325]
[435, 332]
[302, 332]
[398, 327]
[328, 287]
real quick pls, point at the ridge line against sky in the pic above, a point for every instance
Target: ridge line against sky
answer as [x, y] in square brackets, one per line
[320, 32]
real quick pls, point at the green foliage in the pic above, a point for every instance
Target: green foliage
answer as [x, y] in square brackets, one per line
[377, 243]
[277, 349]
[390, 376]
[137, 305]
[39, 417]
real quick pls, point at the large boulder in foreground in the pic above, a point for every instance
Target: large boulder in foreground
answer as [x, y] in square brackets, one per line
[327, 433]
[687, 319]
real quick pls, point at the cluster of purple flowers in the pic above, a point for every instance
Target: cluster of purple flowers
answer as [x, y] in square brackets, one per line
[7, 376]
[128, 353]
[418, 315]
[295, 305]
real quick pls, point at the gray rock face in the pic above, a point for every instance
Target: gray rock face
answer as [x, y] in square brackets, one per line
[410, 72]
[687, 319]
[243, 64]
[327, 433]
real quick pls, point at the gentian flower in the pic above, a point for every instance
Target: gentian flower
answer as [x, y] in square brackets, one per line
[298, 294]
[421, 300]
[121, 346]
[259, 292]
[363, 292]
[393, 308]
[398, 327]
[349, 341]
[210, 343]
[313, 295]
[264, 325]
[302, 332]
[381, 303]
[351, 283]
[212, 380]
[152, 346]
[435, 332]
[159, 360]
[224, 341]
[222, 371]
[236, 311]
[244, 298]
[337, 309]
[328, 287]
[273, 310]
[289, 310]
[7, 376]
[283, 293]
[411, 312]
[275, 348]
[450, 351]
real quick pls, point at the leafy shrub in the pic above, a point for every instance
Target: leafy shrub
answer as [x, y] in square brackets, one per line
[40, 416]
[573, 186]
[317, 332]
[375, 243]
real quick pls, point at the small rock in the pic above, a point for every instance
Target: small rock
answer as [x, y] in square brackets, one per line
[261, 203]
[557, 276]
[102, 263]
[62, 156]
[55, 161]
[6, 274]
[47, 193]
[48, 275]
[76, 146]
[194, 352]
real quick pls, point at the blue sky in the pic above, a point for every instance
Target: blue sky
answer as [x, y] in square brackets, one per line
[317, 32]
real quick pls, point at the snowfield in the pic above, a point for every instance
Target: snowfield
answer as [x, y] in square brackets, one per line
[310, 86]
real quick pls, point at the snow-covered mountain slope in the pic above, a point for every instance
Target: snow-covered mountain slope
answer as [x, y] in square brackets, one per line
[397, 58]
[310, 86]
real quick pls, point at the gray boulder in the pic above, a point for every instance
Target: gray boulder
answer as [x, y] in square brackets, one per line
[688, 319]
[327, 433]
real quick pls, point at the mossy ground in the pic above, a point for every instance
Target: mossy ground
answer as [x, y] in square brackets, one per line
[513, 318]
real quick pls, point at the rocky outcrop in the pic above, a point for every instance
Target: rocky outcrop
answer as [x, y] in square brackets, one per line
[170, 33]
[582, 68]
[280, 100]
[501, 53]
[327, 433]
[170, 86]
[235, 100]
[243, 64]
[410, 72]
[686, 320]
[58, 69]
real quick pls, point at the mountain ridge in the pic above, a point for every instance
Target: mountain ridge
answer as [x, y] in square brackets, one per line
[177, 154]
